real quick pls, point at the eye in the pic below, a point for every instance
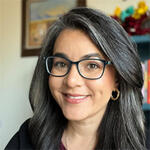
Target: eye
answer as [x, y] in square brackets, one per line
[93, 66]
[59, 64]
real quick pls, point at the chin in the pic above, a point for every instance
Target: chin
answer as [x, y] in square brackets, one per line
[76, 116]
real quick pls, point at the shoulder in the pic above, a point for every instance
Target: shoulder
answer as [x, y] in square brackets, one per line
[21, 140]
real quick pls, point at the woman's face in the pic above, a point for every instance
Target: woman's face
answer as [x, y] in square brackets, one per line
[80, 98]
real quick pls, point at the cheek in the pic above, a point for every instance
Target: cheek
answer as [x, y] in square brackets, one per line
[109, 78]
[55, 86]
[100, 90]
[51, 85]
[103, 87]
[55, 83]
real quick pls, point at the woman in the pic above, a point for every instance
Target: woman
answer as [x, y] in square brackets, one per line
[86, 88]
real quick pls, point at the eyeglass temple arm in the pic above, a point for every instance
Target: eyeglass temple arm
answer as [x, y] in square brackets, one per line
[109, 62]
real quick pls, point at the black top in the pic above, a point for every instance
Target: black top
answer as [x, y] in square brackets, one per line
[147, 117]
[21, 140]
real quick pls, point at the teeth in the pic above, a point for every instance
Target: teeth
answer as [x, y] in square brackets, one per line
[76, 97]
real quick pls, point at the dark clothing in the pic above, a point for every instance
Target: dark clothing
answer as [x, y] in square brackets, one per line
[21, 140]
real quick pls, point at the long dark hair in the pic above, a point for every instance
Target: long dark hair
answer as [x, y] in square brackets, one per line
[122, 126]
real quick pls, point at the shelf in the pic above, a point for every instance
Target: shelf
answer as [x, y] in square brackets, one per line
[146, 106]
[141, 39]
[143, 46]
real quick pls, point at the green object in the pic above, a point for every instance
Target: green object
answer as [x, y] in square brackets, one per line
[130, 10]
[126, 13]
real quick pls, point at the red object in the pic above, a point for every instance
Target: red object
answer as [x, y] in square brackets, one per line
[133, 26]
[148, 86]
[117, 19]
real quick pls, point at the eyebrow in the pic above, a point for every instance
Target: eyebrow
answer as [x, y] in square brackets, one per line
[91, 55]
[83, 57]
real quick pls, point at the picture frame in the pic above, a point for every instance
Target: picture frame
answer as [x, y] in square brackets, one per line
[37, 16]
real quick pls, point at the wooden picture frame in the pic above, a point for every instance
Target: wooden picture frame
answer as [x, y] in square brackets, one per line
[37, 16]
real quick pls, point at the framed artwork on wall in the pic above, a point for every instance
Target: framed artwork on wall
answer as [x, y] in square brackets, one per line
[37, 16]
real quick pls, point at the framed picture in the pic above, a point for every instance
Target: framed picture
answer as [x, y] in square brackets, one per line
[37, 16]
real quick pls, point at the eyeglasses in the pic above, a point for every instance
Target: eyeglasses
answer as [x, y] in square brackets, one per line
[88, 68]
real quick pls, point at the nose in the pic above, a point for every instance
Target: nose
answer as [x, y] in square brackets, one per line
[73, 78]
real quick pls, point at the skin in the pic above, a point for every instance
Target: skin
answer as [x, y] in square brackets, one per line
[84, 117]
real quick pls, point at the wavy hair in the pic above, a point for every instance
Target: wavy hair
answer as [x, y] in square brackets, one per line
[122, 126]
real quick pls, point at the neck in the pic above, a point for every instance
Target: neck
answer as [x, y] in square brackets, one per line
[82, 129]
[81, 133]
[86, 127]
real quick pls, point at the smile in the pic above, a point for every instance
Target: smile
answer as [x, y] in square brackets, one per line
[75, 99]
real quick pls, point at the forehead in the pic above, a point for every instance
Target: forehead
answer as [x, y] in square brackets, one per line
[75, 43]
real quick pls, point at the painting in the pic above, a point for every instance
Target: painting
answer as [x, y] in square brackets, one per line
[37, 16]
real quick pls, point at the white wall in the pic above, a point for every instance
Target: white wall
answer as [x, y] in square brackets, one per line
[16, 72]
[108, 6]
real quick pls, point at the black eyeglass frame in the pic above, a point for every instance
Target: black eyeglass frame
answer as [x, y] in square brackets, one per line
[105, 62]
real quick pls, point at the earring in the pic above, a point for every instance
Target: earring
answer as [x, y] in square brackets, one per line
[115, 94]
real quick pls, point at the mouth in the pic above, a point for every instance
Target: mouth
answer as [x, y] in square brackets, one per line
[75, 98]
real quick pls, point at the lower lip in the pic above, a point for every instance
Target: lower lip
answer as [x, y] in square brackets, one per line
[75, 101]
